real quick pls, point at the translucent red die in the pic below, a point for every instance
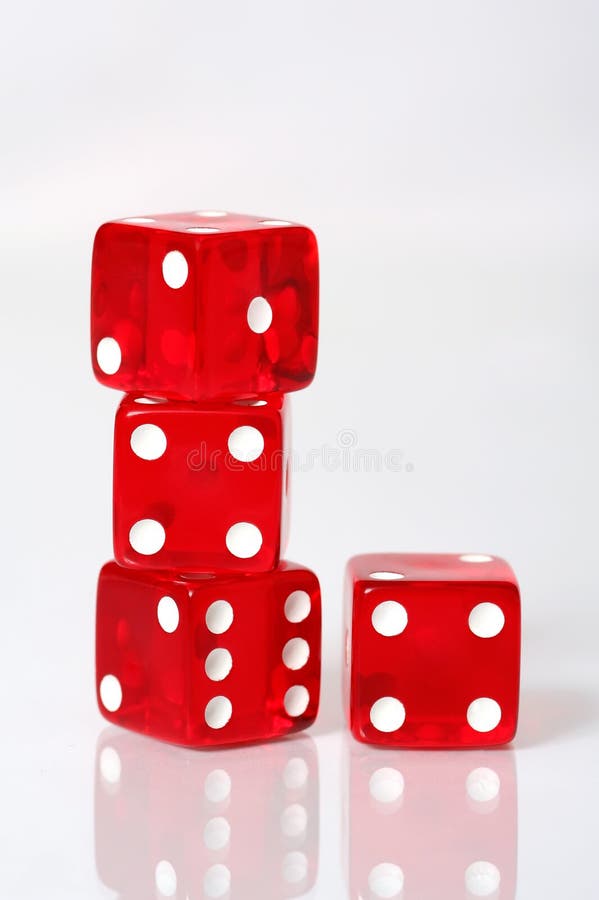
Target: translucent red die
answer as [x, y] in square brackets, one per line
[204, 305]
[172, 822]
[206, 661]
[200, 488]
[432, 650]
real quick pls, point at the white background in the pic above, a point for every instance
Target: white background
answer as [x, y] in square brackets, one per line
[446, 156]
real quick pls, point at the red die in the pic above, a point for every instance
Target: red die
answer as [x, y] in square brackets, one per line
[200, 488]
[433, 650]
[429, 825]
[204, 305]
[170, 822]
[206, 661]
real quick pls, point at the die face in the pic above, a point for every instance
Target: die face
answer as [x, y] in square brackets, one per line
[200, 489]
[444, 567]
[141, 678]
[220, 661]
[432, 663]
[230, 311]
[171, 822]
[274, 643]
[466, 804]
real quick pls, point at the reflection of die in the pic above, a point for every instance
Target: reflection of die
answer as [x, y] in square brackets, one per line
[429, 825]
[175, 823]
[205, 660]
[200, 488]
[432, 650]
[204, 305]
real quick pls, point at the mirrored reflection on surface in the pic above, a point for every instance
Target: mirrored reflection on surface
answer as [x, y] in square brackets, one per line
[177, 823]
[431, 825]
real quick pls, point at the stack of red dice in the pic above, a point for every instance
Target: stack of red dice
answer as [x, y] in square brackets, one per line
[206, 320]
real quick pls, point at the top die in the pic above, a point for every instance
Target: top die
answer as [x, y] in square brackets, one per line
[204, 305]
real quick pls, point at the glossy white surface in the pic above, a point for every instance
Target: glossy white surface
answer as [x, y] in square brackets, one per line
[446, 155]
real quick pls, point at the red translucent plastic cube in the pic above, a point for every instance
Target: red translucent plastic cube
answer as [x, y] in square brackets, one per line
[432, 650]
[200, 488]
[205, 661]
[170, 822]
[428, 825]
[204, 305]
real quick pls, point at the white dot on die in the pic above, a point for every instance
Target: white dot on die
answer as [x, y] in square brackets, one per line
[274, 222]
[168, 614]
[149, 400]
[387, 714]
[148, 441]
[111, 693]
[296, 700]
[295, 867]
[486, 620]
[245, 443]
[175, 269]
[483, 784]
[389, 618]
[218, 712]
[297, 606]
[211, 213]
[217, 881]
[386, 785]
[139, 220]
[243, 540]
[296, 653]
[147, 537]
[217, 833]
[386, 880]
[203, 230]
[219, 617]
[295, 773]
[476, 558]
[165, 878]
[259, 315]
[108, 355]
[482, 879]
[484, 714]
[217, 786]
[110, 765]
[294, 820]
[219, 663]
[386, 576]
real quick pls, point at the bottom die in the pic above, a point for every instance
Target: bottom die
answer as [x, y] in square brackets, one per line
[428, 825]
[205, 660]
[178, 824]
